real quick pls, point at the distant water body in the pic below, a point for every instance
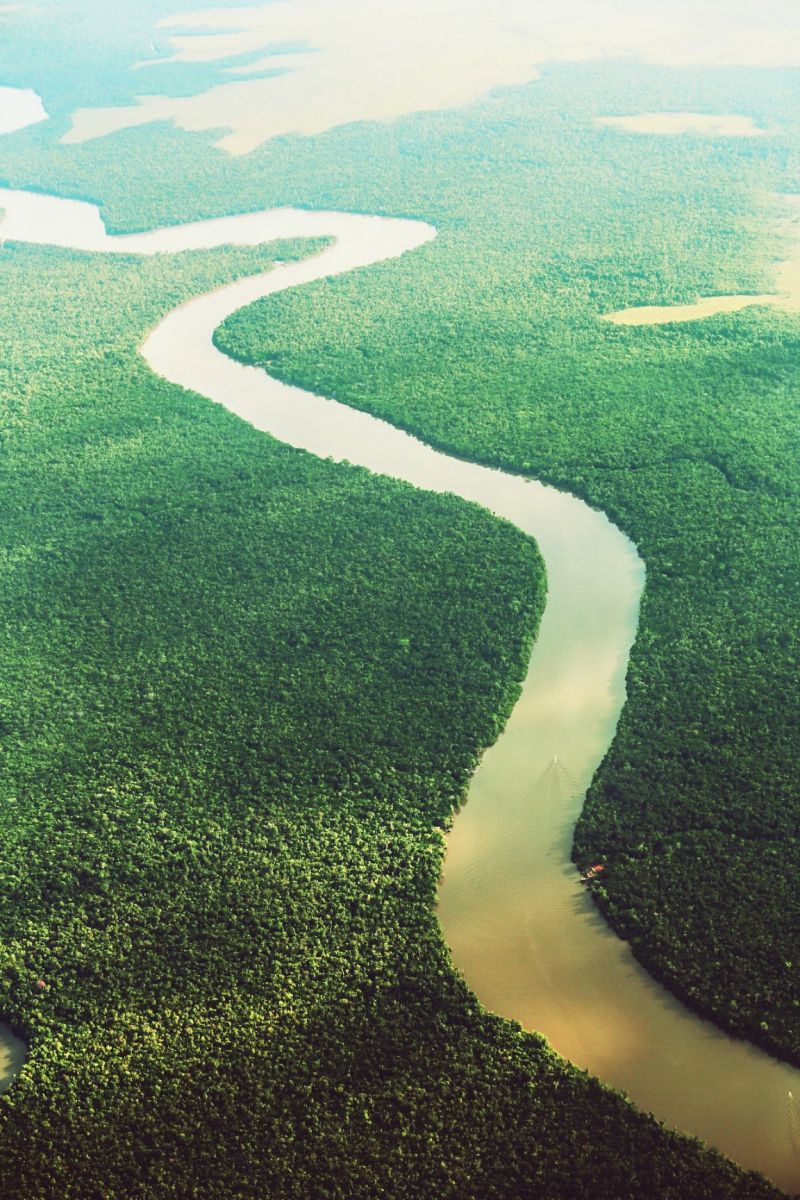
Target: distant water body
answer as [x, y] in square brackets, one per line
[306, 66]
[520, 926]
[19, 107]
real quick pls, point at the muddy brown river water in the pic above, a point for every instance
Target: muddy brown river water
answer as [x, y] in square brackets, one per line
[512, 910]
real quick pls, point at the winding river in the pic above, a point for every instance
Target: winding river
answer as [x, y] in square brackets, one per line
[520, 927]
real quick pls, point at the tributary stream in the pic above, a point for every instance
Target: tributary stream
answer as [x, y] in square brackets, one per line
[518, 922]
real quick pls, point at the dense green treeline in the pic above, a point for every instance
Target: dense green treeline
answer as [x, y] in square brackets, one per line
[708, 740]
[706, 751]
[243, 689]
[688, 437]
[228, 765]
[104, 43]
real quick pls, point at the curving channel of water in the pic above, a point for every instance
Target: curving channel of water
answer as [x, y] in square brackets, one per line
[525, 934]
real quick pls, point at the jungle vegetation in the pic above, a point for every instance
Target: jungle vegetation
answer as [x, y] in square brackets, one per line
[220, 842]
[688, 437]
[243, 689]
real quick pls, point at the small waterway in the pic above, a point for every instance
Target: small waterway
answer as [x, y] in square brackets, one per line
[520, 927]
[13, 1053]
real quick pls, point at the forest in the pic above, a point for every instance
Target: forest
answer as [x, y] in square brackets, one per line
[244, 689]
[245, 692]
[687, 437]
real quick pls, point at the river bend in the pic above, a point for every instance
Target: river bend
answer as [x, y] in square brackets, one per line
[525, 934]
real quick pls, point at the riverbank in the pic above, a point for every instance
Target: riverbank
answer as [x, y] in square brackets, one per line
[181, 349]
[284, 277]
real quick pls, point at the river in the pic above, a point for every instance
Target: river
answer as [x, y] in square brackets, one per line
[520, 927]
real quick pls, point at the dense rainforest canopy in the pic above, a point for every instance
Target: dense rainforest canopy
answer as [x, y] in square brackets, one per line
[687, 436]
[245, 689]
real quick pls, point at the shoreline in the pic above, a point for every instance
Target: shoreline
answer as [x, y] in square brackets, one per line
[626, 1009]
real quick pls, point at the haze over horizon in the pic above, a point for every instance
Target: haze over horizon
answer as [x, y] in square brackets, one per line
[418, 57]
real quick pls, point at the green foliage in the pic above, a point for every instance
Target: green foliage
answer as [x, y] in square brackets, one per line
[103, 42]
[687, 436]
[244, 689]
